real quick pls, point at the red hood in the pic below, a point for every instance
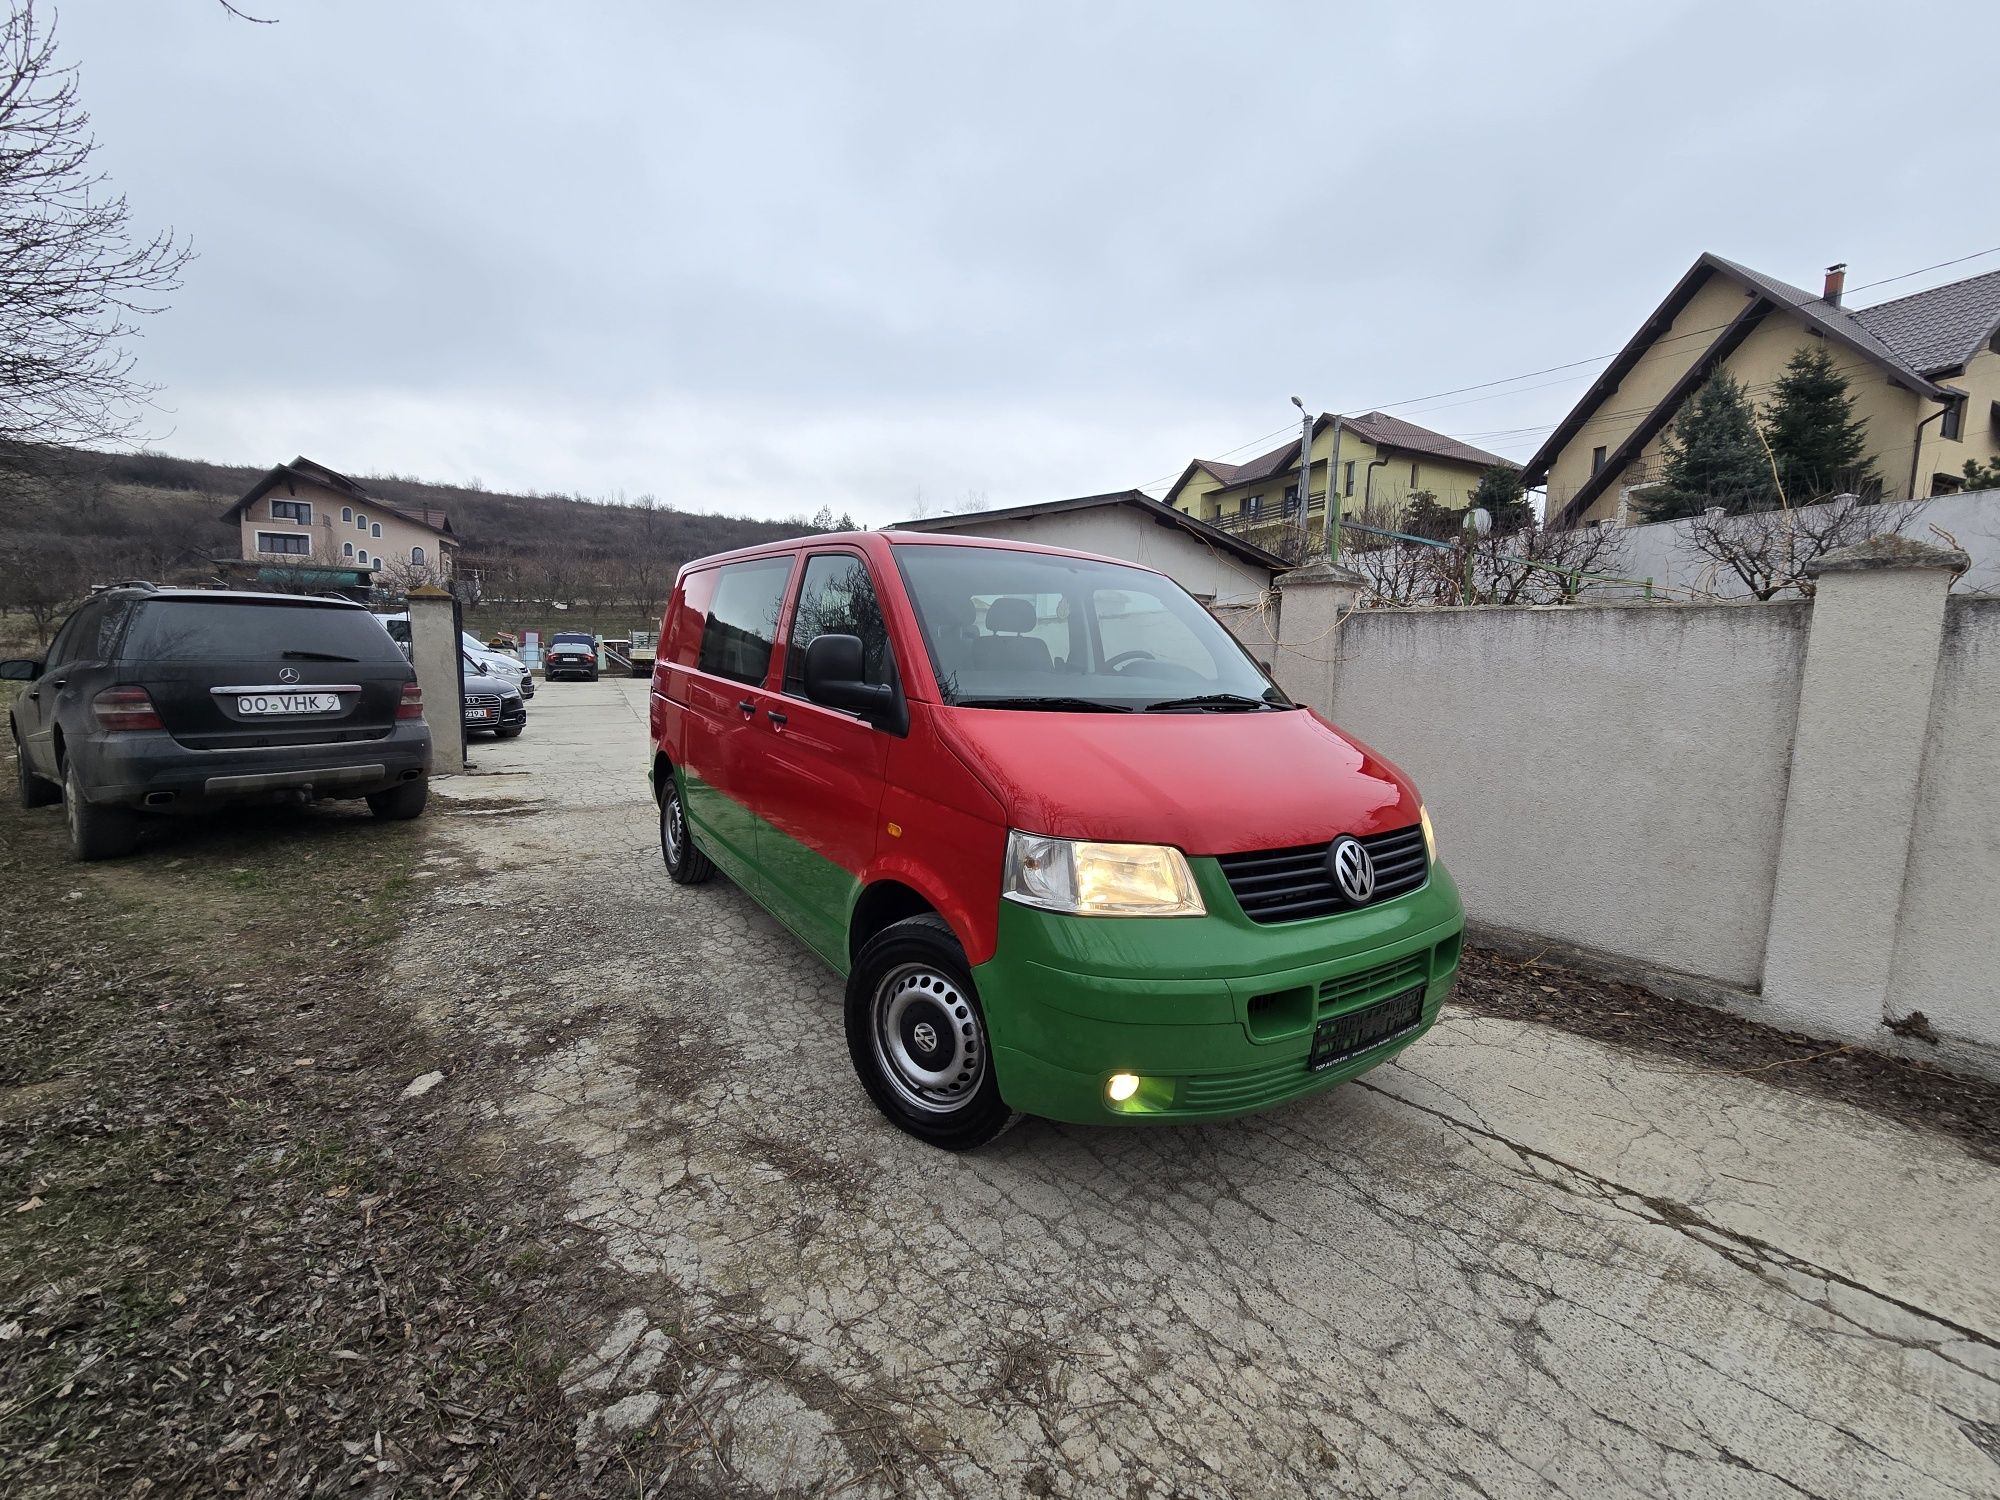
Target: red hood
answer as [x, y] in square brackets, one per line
[1209, 783]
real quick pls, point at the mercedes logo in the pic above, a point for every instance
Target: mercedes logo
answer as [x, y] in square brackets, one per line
[288, 674]
[925, 1036]
[1352, 870]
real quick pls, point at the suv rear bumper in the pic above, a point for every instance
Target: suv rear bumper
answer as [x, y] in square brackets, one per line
[157, 772]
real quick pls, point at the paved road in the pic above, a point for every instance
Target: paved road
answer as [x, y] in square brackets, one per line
[1516, 1263]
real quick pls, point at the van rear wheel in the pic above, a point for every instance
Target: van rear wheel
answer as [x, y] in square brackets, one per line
[918, 1037]
[686, 865]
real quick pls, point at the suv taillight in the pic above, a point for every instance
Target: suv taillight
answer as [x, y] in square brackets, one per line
[123, 708]
[412, 706]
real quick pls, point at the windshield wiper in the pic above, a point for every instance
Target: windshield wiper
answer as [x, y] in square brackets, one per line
[1059, 705]
[1235, 701]
[315, 656]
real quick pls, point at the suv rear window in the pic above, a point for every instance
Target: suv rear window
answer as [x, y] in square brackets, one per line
[217, 630]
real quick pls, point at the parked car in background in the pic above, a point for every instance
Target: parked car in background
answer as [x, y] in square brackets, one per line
[1001, 788]
[495, 662]
[492, 703]
[157, 700]
[571, 653]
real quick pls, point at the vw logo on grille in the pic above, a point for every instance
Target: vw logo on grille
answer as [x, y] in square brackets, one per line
[1352, 870]
[288, 674]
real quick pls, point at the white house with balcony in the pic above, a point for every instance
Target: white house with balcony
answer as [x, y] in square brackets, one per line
[303, 516]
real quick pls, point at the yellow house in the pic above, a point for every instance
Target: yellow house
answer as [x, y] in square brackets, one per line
[305, 515]
[1384, 461]
[1924, 372]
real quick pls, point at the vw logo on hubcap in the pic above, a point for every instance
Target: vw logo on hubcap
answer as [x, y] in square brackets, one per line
[925, 1036]
[1352, 870]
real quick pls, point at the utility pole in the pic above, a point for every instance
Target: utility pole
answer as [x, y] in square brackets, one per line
[1333, 494]
[1305, 476]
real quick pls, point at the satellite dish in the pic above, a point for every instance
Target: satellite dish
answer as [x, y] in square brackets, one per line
[1479, 520]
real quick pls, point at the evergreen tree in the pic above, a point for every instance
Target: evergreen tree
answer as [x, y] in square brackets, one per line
[1817, 442]
[1425, 517]
[1501, 494]
[1713, 457]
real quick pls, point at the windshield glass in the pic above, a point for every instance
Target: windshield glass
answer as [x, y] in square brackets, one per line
[205, 630]
[1031, 630]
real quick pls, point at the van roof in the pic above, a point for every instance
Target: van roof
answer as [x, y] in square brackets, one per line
[869, 540]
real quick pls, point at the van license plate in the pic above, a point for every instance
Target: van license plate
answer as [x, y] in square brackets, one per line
[1338, 1038]
[289, 703]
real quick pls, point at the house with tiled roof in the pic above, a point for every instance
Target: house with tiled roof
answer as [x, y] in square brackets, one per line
[305, 516]
[1384, 462]
[1923, 369]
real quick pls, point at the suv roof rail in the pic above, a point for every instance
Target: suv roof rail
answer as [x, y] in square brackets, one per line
[127, 583]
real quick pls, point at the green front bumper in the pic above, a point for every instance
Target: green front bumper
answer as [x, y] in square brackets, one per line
[1215, 1014]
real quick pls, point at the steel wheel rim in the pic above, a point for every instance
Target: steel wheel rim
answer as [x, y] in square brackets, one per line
[929, 1044]
[673, 826]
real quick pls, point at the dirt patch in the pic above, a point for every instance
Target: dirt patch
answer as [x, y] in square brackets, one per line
[1525, 989]
[232, 1258]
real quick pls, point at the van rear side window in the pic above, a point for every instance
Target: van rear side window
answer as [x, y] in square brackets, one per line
[743, 620]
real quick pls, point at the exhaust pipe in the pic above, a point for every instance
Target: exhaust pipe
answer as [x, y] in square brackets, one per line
[158, 799]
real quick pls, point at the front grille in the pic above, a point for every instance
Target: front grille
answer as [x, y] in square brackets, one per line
[1288, 885]
[483, 700]
[1352, 991]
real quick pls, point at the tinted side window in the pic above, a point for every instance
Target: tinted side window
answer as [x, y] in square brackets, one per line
[64, 647]
[743, 620]
[837, 598]
[201, 630]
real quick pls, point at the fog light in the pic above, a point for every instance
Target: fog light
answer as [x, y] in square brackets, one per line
[1121, 1087]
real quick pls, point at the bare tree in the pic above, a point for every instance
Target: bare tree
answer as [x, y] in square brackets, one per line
[1770, 551]
[72, 276]
[1543, 567]
[44, 581]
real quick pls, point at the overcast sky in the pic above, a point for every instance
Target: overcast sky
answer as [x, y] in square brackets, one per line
[758, 257]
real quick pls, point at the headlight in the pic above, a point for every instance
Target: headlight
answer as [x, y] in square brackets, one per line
[1430, 835]
[1089, 879]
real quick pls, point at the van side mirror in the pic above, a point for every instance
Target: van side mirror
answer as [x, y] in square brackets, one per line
[20, 671]
[834, 676]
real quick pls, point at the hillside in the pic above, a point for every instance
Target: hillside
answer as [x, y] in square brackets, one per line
[71, 517]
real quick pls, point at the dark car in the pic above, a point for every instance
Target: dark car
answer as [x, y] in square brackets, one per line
[491, 702]
[571, 654]
[156, 700]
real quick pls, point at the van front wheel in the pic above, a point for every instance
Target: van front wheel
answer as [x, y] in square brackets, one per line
[918, 1037]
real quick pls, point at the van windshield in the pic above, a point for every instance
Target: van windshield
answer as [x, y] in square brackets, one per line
[1033, 630]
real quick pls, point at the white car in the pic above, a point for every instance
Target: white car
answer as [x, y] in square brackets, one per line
[501, 664]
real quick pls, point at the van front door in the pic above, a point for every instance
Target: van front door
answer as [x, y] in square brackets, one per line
[822, 782]
[727, 730]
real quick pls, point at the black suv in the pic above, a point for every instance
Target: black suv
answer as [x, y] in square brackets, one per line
[571, 654]
[177, 700]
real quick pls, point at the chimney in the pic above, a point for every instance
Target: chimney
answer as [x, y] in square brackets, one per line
[1836, 282]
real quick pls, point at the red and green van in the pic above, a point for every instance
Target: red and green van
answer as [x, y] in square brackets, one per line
[1075, 853]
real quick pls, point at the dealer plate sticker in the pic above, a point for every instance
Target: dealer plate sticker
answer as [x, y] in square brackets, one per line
[1340, 1037]
[288, 703]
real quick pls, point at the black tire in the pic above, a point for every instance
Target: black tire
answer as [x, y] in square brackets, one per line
[96, 832]
[511, 731]
[591, 678]
[401, 802]
[686, 865]
[918, 1037]
[30, 788]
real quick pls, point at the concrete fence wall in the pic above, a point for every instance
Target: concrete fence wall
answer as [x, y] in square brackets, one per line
[1797, 804]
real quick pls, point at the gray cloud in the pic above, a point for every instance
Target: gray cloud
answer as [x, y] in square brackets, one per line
[760, 256]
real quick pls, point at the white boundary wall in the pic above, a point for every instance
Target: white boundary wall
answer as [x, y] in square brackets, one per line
[1795, 803]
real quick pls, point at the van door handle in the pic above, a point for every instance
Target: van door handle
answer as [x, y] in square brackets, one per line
[775, 717]
[746, 707]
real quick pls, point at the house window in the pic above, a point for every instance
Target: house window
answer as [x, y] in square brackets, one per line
[1347, 478]
[417, 556]
[346, 515]
[376, 529]
[347, 549]
[1953, 425]
[1291, 498]
[1596, 460]
[363, 559]
[292, 510]
[1413, 476]
[360, 523]
[1252, 505]
[284, 543]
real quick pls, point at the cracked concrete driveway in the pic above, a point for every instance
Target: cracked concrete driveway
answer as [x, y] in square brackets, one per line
[1516, 1262]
